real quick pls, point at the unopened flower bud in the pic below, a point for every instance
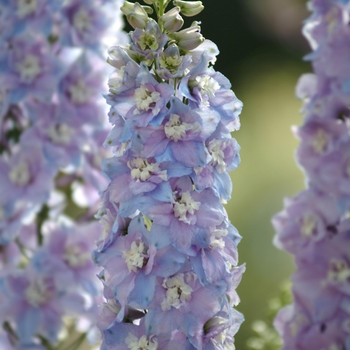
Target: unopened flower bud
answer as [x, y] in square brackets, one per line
[149, 2]
[148, 9]
[189, 8]
[172, 21]
[189, 38]
[135, 14]
[215, 325]
[127, 7]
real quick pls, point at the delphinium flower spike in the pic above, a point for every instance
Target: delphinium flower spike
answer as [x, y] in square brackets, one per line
[52, 126]
[314, 226]
[169, 251]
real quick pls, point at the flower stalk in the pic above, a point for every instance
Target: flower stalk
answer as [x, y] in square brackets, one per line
[314, 226]
[169, 251]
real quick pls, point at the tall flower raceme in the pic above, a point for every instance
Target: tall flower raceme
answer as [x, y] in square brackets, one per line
[315, 225]
[169, 251]
[52, 127]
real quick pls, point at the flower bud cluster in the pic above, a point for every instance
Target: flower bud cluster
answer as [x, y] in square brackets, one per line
[315, 225]
[169, 251]
[52, 126]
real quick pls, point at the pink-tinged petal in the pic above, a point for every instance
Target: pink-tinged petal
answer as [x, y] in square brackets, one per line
[310, 288]
[214, 265]
[191, 154]
[230, 252]
[123, 291]
[161, 214]
[28, 323]
[143, 292]
[155, 142]
[201, 297]
[209, 216]
[152, 250]
[115, 271]
[138, 187]
[181, 234]
[58, 241]
[168, 261]
[165, 321]
[119, 190]
[124, 103]
[210, 120]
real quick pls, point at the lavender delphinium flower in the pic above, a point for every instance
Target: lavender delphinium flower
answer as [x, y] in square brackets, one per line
[314, 226]
[169, 251]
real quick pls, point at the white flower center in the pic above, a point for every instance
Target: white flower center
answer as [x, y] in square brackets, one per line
[25, 7]
[175, 130]
[113, 306]
[332, 19]
[19, 174]
[115, 80]
[29, 68]
[145, 99]
[79, 92]
[185, 205]
[106, 220]
[74, 256]
[308, 225]
[60, 133]
[143, 343]
[217, 154]
[339, 272]
[297, 324]
[38, 292]
[320, 141]
[148, 42]
[216, 240]
[207, 86]
[135, 257]
[142, 170]
[82, 20]
[198, 170]
[220, 338]
[170, 62]
[178, 292]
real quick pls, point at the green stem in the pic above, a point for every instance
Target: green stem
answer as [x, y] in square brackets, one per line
[46, 343]
[175, 85]
[161, 8]
[41, 217]
[166, 4]
[21, 248]
[77, 342]
[12, 336]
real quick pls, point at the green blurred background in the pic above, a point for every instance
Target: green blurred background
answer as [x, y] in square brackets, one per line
[261, 50]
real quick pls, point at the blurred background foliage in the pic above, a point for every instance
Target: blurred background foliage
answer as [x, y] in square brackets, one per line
[261, 49]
